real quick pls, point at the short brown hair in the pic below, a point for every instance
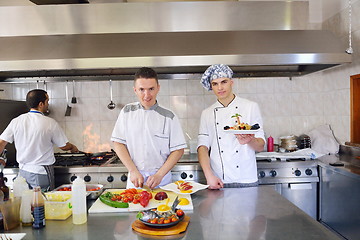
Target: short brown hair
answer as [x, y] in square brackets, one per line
[146, 72]
[35, 97]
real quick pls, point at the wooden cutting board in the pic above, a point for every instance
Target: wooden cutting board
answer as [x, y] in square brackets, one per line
[177, 229]
[100, 207]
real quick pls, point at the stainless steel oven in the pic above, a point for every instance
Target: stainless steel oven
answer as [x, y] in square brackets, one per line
[296, 180]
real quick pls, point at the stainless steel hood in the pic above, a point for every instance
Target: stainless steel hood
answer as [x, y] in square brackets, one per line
[179, 40]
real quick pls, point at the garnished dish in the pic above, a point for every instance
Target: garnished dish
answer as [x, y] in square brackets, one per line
[163, 216]
[183, 187]
[122, 200]
[241, 127]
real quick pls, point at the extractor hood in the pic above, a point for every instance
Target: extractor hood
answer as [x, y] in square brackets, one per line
[178, 40]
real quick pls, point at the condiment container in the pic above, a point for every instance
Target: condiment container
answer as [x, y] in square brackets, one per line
[3, 187]
[58, 206]
[19, 186]
[25, 208]
[79, 209]
[10, 211]
[270, 144]
[38, 208]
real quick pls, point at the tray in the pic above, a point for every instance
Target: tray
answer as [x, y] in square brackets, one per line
[241, 131]
[181, 227]
[89, 194]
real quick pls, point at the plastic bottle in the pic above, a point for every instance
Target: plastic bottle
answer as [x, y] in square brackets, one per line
[3, 187]
[19, 186]
[25, 208]
[38, 209]
[79, 209]
[270, 144]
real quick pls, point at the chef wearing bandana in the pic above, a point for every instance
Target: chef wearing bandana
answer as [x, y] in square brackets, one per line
[228, 160]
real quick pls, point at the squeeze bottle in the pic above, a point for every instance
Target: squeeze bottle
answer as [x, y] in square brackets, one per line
[79, 209]
[25, 208]
[270, 144]
[19, 186]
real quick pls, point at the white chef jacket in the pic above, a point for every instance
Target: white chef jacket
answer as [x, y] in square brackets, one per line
[34, 135]
[230, 161]
[149, 135]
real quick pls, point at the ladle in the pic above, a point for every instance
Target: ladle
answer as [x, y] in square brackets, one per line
[111, 105]
[68, 108]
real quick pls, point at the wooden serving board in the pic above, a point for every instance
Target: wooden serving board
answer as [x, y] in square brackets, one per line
[177, 229]
[100, 207]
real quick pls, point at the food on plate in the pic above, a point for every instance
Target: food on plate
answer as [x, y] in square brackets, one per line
[69, 189]
[161, 196]
[183, 201]
[122, 200]
[184, 187]
[241, 125]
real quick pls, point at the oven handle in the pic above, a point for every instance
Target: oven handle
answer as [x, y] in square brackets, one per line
[296, 186]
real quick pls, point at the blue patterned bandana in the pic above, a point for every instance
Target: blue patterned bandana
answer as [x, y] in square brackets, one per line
[214, 72]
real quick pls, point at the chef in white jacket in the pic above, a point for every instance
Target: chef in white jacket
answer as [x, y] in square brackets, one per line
[228, 159]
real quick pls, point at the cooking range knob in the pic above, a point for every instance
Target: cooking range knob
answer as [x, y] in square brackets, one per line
[123, 178]
[183, 175]
[261, 174]
[308, 171]
[87, 178]
[73, 178]
[110, 178]
[273, 173]
[297, 172]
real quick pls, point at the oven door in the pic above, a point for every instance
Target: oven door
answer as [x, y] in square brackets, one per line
[303, 195]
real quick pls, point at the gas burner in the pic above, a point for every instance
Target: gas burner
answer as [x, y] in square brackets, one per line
[82, 159]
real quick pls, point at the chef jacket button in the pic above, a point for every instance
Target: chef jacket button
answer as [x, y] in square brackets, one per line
[236, 107]
[219, 137]
[222, 151]
[215, 109]
[237, 166]
[237, 151]
[217, 123]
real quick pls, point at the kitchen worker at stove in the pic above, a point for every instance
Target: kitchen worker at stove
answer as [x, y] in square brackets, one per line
[147, 137]
[35, 135]
[227, 159]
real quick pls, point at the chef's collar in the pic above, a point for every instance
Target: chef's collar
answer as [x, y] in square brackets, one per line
[35, 111]
[152, 107]
[229, 103]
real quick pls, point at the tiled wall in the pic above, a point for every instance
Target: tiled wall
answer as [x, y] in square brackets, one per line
[288, 106]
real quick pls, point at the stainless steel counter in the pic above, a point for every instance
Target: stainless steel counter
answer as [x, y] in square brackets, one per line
[248, 213]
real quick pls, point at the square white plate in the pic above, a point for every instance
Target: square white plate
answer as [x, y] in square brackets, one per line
[174, 188]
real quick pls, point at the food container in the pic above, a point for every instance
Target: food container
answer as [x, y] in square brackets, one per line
[93, 190]
[10, 211]
[57, 206]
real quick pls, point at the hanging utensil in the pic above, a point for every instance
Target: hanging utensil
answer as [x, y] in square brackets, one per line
[73, 99]
[68, 108]
[111, 105]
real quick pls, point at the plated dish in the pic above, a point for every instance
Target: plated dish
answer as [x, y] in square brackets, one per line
[162, 224]
[174, 187]
[241, 131]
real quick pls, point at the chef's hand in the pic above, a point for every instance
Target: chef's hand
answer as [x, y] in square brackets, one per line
[214, 182]
[153, 181]
[244, 138]
[137, 179]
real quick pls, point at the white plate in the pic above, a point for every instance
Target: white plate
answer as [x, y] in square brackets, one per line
[13, 236]
[241, 131]
[174, 188]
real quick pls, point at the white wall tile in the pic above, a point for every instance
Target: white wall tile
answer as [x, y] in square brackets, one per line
[246, 85]
[177, 87]
[74, 133]
[91, 109]
[125, 89]
[89, 89]
[194, 106]
[178, 105]
[6, 91]
[282, 85]
[300, 84]
[265, 85]
[164, 88]
[193, 87]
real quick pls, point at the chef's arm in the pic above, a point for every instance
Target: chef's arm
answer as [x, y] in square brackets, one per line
[257, 144]
[2, 147]
[154, 180]
[124, 155]
[204, 159]
[70, 147]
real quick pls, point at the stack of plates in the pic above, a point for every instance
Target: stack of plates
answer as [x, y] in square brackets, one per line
[288, 143]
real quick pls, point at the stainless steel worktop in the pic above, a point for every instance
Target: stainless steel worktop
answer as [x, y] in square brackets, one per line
[248, 213]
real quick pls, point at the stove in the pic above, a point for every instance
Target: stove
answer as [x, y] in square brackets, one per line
[107, 169]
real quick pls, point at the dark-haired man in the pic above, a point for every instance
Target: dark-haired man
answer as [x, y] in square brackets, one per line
[34, 135]
[147, 137]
